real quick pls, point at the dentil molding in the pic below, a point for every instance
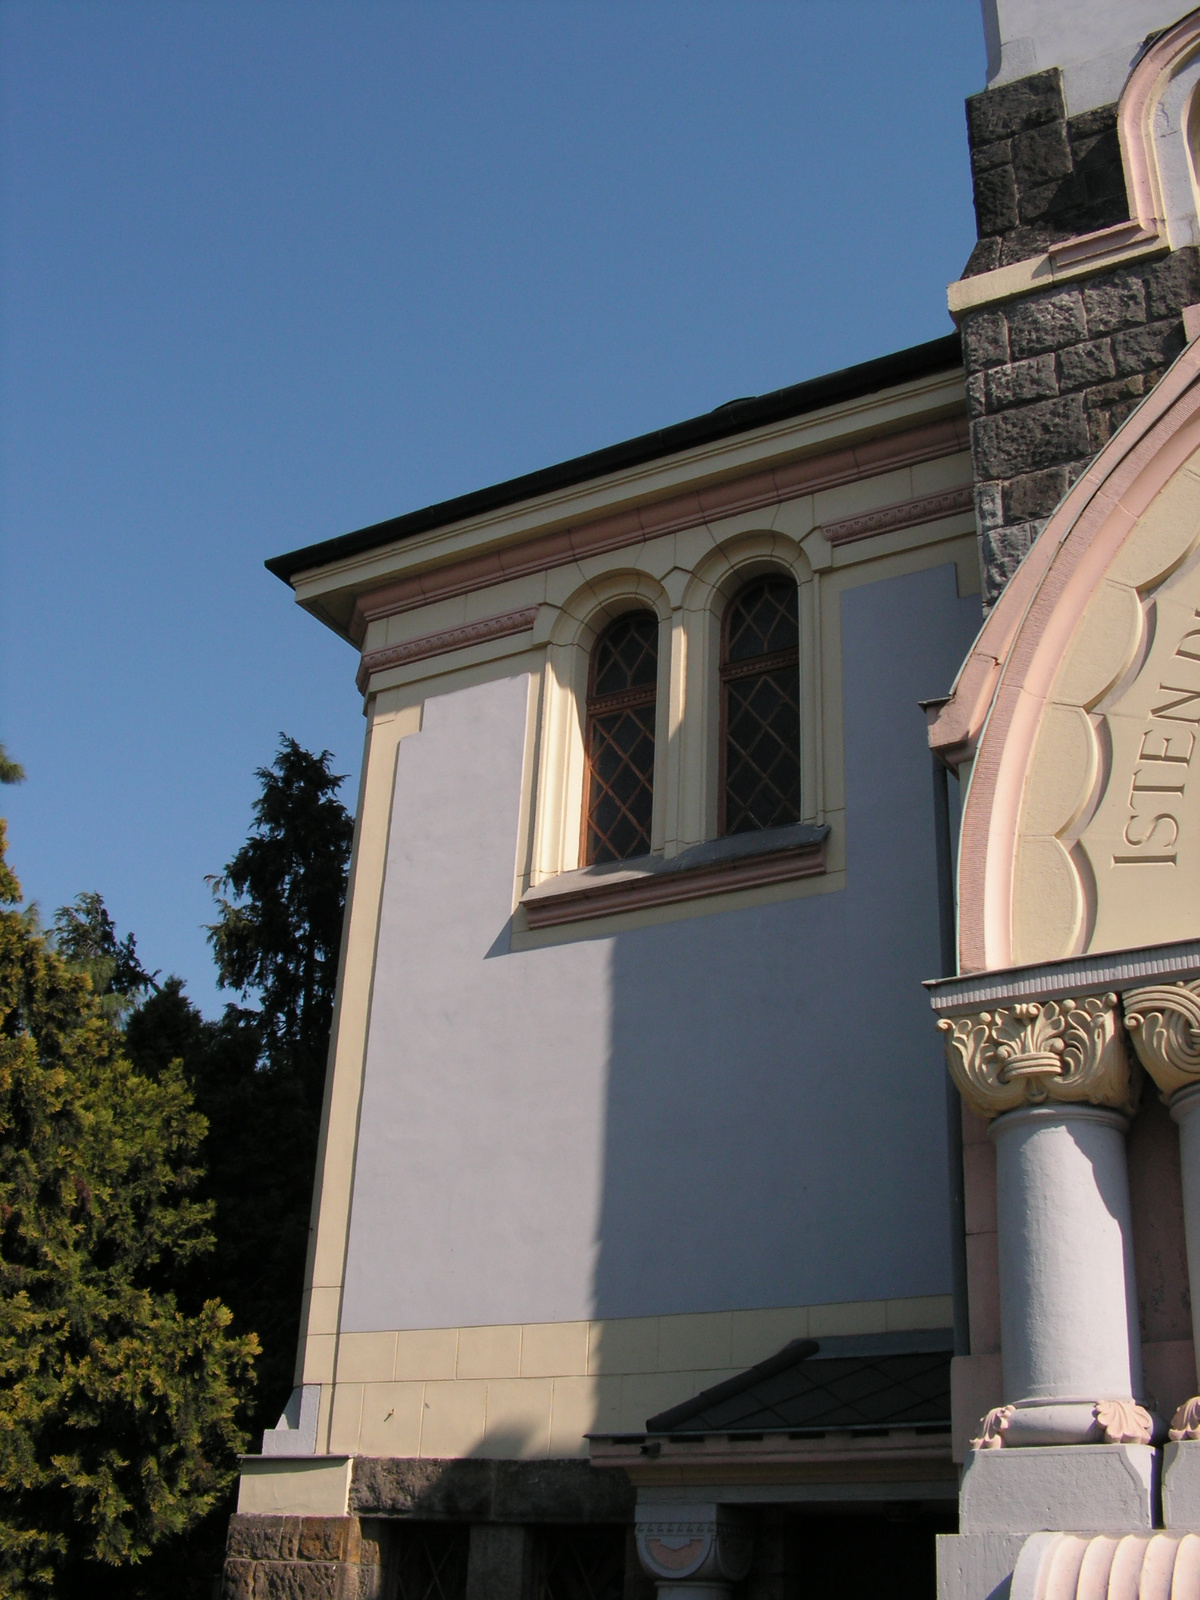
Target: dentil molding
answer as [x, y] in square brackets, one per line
[1033, 1052]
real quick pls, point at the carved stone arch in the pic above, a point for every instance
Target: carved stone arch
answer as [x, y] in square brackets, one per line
[1074, 711]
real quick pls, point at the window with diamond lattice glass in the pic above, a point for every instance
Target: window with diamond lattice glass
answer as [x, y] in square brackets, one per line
[622, 690]
[760, 708]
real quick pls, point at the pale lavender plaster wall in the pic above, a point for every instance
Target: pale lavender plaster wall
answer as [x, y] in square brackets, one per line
[742, 1109]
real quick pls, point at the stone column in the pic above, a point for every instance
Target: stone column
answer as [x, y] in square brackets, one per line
[1164, 1023]
[1054, 1079]
[693, 1552]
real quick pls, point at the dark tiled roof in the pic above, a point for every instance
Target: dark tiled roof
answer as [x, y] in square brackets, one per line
[726, 421]
[812, 1387]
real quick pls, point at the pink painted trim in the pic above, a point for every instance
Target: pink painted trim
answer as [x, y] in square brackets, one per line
[997, 704]
[930, 442]
[905, 514]
[436, 644]
[1135, 118]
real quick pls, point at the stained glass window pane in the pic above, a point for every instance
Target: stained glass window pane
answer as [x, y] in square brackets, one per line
[761, 706]
[620, 739]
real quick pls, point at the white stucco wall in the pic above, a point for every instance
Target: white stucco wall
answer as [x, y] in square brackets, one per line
[1095, 42]
[741, 1109]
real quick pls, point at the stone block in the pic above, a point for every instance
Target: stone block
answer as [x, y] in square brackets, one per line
[1045, 434]
[1081, 366]
[986, 156]
[237, 1579]
[1172, 283]
[977, 394]
[983, 257]
[1181, 1485]
[1041, 154]
[1088, 1488]
[989, 506]
[976, 1566]
[1046, 322]
[985, 340]
[1003, 550]
[996, 209]
[1154, 345]
[1050, 203]
[1023, 381]
[254, 1538]
[1115, 303]
[299, 1580]
[1034, 494]
[1013, 107]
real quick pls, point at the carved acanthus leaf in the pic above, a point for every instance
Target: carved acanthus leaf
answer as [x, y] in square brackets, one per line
[1124, 1422]
[1164, 1023]
[991, 1429]
[1032, 1052]
[1185, 1424]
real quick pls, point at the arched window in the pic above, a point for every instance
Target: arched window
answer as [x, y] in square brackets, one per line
[620, 739]
[760, 708]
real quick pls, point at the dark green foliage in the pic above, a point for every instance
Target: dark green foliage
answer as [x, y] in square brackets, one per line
[120, 1383]
[85, 936]
[276, 943]
[10, 771]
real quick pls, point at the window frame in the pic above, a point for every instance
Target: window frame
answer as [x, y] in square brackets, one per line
[755, 665]
[620, 700]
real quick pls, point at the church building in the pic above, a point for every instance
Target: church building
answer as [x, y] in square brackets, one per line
[761, 1145]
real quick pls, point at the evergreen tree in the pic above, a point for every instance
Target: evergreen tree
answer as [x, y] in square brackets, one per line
[276, 942]
[85, 936]
[120, 1385]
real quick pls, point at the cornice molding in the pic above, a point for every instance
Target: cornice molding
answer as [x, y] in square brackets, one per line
[1048, 980]
[904, 514]
[436, 644]
[869, 458]
[1065, 1051]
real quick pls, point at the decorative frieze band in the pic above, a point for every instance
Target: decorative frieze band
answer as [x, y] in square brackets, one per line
[850, 464]
[436, 644]
[904, 514]
[702, 1544]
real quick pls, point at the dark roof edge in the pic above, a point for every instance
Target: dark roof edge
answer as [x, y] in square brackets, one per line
[790, 1356]
[739, 416]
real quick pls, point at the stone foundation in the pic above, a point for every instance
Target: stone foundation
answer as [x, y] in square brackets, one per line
[302, 1558]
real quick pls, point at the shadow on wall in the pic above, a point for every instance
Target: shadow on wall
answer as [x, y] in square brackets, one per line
[774, 1126]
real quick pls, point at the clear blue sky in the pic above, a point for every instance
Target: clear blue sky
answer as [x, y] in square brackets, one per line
[272, 272]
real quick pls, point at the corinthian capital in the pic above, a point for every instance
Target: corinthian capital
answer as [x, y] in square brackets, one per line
[1164, 1023]
[1039, 1051]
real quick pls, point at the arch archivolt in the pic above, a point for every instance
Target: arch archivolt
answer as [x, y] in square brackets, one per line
[1078, 712]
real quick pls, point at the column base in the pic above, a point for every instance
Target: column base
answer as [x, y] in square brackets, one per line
[1096, 1488]
[1036, 1423]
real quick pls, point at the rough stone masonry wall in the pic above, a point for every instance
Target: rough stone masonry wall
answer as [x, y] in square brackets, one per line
[302, 1558]
[1051, 375]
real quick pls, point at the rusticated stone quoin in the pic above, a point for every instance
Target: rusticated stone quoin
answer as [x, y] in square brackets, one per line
[1050, 378]
[1039, 176]
[1051, 375]
[302, 1558]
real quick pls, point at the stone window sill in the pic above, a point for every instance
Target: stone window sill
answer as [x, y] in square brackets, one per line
[743, 861]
